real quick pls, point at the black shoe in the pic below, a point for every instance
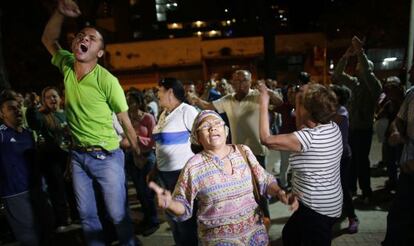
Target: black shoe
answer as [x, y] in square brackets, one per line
[149, 229]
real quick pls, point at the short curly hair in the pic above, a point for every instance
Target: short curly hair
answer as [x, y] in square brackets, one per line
[320, 102]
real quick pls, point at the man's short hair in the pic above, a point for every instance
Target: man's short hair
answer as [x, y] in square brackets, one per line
[246, 74]
[7, 95]
[101, 32]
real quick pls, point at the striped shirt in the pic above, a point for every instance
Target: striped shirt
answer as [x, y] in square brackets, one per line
[316, 172]
[172, 138]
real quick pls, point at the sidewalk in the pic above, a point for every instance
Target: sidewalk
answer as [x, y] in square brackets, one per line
[372, 217]
[371, 229]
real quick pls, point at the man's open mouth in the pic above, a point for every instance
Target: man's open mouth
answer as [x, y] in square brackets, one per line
[83, 48]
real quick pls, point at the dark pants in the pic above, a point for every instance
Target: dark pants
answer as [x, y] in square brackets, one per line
[348, 205]
[360, 142]
[53, 162]
[184, 233]
[391, 156]
[308, 228]
[21, 217]
[400, 219]
[264, 205]
[144, 194]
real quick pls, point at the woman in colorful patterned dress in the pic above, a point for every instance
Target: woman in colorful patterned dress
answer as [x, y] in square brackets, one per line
[221, 181]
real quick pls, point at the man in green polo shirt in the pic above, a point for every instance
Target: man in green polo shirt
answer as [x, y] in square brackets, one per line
[92, 94]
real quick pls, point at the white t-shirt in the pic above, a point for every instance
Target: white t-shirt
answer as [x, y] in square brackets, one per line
[154, 107]
[244, 119]
[172, 138]
[316, 169]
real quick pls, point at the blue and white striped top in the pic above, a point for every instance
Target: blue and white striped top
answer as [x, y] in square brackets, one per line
[316, 169]
[172, 137]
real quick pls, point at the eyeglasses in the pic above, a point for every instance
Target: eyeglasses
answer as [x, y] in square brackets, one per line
[210, 124]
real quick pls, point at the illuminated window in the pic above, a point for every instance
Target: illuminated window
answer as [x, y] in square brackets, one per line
[226, 23]
[175, 26]
[214, 33]
[198, 34]
[198, 24]
[161, 17]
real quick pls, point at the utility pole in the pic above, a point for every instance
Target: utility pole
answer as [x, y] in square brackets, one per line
[269, 40]
[410, 43]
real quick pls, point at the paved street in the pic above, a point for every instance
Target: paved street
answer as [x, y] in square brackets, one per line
[371, 230]
[372, 217]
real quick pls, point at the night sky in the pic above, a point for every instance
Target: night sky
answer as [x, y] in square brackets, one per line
[383, 23]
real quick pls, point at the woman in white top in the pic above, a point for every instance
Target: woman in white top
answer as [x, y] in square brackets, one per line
[315, 160]
[173, 147]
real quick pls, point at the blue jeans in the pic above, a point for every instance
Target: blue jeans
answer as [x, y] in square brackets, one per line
[106, 168]
[145, 195]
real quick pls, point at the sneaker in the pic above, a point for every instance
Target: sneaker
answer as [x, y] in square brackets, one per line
[353, 225]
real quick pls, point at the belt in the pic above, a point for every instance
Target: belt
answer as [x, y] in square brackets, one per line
[88, 148]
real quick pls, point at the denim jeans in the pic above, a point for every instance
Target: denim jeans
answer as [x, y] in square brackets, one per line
[106, 168]
[145, 195]
[184, 233]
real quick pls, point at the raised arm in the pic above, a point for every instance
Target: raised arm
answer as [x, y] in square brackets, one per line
[339, 76]
[193, 99]
[53, 27]
[276, 142]
[275, 98]
[373, 84]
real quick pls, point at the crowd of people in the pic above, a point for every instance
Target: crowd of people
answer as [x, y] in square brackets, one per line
[198, 151]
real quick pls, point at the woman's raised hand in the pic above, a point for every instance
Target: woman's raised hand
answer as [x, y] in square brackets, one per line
[264, 93]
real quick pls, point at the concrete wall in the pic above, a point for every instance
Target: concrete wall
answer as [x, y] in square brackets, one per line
[147, 61]
[191, 51]
[158, 53]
